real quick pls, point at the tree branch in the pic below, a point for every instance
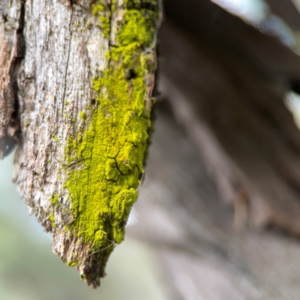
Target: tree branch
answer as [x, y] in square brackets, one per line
[84, 100]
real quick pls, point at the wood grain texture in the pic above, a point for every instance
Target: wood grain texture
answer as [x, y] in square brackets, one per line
[72, 49]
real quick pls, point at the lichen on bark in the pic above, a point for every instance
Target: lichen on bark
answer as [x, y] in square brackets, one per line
[85, 173]
[112, 150]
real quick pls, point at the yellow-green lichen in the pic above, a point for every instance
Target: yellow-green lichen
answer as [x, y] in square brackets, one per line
[72, 263]
[105, 25]
[55, 138]
[100, 7]
[82, 115]
[111, 153]
[104, 15]
[54, 199]
[51, 218]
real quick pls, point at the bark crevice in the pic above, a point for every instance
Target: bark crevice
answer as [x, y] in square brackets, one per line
[12, 53]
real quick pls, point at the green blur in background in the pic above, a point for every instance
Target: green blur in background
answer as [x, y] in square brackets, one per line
[30, 271]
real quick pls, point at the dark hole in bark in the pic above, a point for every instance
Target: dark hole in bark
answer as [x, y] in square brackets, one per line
[131, 74]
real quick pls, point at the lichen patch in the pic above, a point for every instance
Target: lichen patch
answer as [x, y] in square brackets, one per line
[110, 154]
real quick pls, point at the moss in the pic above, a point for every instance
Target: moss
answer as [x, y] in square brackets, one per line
[54, 200]
[82, 115]
[55, 138]
[111, 152]
[104, 16]
[72, 263]
[51, 218]
[105, 25]
[97, 8]
[138, 29]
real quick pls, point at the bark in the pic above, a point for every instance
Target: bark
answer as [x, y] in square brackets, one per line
[11, 54]
[82, 60]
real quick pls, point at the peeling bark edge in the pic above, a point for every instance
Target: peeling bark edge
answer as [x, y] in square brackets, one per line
[9, 89]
